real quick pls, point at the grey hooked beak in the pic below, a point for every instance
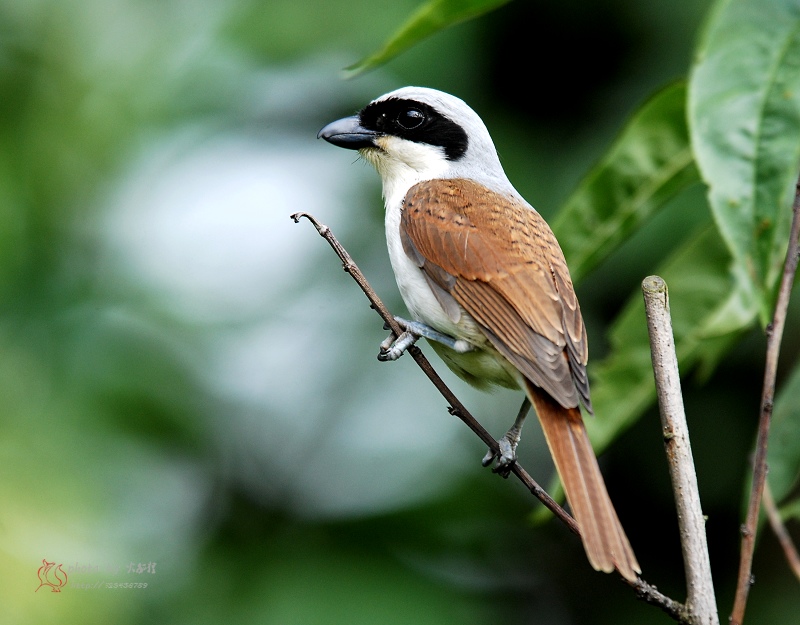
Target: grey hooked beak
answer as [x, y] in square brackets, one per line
[348, 133]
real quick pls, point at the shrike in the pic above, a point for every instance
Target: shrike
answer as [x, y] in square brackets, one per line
[486, 282]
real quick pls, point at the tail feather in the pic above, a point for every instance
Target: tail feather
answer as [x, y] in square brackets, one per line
[606, 544]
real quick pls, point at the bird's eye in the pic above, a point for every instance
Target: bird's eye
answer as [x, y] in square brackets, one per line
[410, 119]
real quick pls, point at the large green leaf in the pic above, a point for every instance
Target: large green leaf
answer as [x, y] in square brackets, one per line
[783, 454]
[744, 115]
[700, 288]
[649, 162]
[430, 18]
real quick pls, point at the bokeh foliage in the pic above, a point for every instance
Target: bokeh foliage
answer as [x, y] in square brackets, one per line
[189, 382]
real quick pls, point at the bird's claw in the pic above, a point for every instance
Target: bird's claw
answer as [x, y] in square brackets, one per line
[392, 348]
[505, 457]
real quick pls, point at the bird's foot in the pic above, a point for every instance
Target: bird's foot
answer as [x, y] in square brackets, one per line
[392, 348]
[506, 456]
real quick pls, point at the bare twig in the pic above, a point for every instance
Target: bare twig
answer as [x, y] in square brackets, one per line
[780, 531]
[774, 336]
[701, 602]
[644, 591]
[649, 594]
[456, 408]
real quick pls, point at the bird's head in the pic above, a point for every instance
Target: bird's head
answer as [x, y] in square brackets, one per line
[415, 134]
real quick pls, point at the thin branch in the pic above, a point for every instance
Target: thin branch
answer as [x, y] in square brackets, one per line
[456, 408]
[649, 594]
[774, 336]
[644, 591]
[701, 601]
[775, 521]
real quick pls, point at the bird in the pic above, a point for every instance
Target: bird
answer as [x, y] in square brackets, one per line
[486, 282]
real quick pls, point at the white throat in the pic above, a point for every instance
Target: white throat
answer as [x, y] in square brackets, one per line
[402, 164]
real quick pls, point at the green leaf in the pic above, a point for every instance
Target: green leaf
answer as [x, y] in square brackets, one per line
[430, 18]
[744, 116]
[783, 453]
[700, 287]
[649, 162]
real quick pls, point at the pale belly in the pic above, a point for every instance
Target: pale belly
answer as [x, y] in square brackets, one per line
[481, 368]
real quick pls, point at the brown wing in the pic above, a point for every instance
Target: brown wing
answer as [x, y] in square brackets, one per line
[501, 262]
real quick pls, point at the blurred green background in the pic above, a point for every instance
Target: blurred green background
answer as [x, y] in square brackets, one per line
[188, 379]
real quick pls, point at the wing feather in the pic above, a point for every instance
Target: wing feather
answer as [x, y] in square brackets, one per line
[513, 281]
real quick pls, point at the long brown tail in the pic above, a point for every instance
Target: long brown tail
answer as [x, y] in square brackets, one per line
[606, 544]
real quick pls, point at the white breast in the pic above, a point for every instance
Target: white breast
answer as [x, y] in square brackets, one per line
[401, 165]
[417, 295]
